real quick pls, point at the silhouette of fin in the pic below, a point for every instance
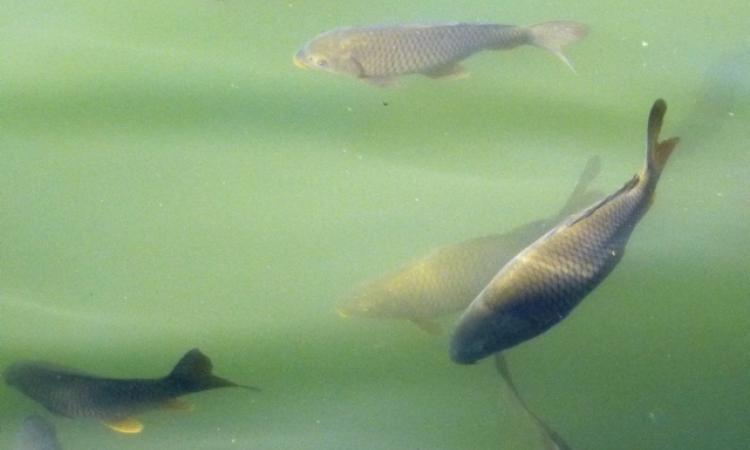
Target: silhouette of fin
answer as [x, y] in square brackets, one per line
[193, 374]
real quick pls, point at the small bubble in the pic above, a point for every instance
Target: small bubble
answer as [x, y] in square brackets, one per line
[644, 44]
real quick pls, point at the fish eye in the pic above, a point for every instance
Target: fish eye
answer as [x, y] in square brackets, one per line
[322, 62]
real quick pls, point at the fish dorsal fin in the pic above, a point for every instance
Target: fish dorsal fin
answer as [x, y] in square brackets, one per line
[192, 373]
[127, 425]
[177, 404]
[580, 192]
[193, 364]
[574, 219]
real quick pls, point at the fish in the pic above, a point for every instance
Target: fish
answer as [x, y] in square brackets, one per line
[550, 439]
[36, 433]
[541, 285]
[446, 280]
[114, 401]
[380, 54]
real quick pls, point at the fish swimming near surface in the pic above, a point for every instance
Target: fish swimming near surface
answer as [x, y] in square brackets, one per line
[114, 401]
[543, 283]
[379, 54]
[550, 439]
[36, 433]
[448, 279]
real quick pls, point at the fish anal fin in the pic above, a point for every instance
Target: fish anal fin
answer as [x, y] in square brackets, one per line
[176, 404]
[428, 326]
[127, 425]
[450, 71]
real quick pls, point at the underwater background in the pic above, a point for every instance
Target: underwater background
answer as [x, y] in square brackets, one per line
[169, 180]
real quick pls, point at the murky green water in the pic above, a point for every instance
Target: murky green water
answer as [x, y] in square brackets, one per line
[170, 180]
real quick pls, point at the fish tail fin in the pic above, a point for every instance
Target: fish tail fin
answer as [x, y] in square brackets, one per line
[657, 152]
[193, 373]
[554, 36]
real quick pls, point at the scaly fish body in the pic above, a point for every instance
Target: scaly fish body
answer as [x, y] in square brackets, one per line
[446, 280]
[74, 394]
[380, 53]
[543, 283]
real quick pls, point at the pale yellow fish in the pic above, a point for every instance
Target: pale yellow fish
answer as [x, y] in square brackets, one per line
[446, 280]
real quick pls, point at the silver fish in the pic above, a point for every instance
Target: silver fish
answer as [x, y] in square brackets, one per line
[36, 434]
[378, 54]
[448, 279]
[541, 285]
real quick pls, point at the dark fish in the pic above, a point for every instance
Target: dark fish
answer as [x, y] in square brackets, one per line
[550, 439]
[448, 279]
[114, 401]
[378, 54]
[543, 283]
[36, 434]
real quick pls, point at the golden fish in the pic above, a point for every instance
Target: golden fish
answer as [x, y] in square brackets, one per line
[446, 280]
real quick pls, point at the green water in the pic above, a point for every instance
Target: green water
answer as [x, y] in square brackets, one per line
[169, 180]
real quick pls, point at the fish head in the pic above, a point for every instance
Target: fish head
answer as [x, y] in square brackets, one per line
[481, 332]
[357, 306]
[16, 374]
[329, 53]
[373, 300]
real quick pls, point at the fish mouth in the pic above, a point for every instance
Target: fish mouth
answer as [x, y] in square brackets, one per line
[297, 60]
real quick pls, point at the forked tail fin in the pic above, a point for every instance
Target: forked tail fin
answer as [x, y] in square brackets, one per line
[554, 36]
[193, 373]
[657, 153]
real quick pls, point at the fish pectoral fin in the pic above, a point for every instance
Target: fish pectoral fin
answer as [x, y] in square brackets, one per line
[452, 71]
[176, 404]
[428, 326]
[127, 425]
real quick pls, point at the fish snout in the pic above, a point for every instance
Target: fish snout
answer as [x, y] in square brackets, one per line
[299, 60]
